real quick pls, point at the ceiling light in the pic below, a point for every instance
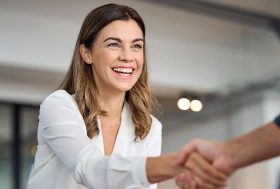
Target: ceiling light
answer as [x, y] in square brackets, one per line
[196, 105]
[183, 104]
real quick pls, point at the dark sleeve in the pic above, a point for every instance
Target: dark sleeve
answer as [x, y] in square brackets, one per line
[277, 121]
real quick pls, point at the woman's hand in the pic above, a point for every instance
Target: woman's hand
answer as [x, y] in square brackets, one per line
[200, 174]
[185, 180]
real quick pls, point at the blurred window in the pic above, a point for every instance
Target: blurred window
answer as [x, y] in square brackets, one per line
[28, 136]
[6, 146]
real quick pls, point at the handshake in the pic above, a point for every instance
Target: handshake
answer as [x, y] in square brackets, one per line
[207, 165]
[201, 164]
[204, 164]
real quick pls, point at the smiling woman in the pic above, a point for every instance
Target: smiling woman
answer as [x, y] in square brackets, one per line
[97, 131]
[116, 57]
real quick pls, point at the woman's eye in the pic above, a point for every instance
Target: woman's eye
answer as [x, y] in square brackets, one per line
[113, 45]
[137, 46]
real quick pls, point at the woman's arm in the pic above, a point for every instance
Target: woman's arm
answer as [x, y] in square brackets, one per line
[162, 168]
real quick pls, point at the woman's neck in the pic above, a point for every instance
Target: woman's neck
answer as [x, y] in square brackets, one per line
[112, 104]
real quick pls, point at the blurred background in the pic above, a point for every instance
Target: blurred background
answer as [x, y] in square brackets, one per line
[223, 54]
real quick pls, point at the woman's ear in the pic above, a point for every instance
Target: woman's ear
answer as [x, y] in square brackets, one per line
[85, 54]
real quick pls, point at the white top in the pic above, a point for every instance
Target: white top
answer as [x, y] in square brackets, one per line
[67, 158]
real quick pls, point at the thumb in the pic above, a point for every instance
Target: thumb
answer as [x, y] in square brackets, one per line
[223, 165]
[186, 151]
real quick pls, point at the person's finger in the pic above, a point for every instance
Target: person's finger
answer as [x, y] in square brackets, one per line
[200, 183]
[205, 171]
[211, 170]
[186, 151]
[191, 180]
[182, 182]
[204, 185]
[186, 181]
[179, 180]
[186, 184]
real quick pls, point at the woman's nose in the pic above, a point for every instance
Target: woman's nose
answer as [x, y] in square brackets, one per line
[126, 54]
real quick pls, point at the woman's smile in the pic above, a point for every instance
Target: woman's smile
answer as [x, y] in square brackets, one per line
[123, 73]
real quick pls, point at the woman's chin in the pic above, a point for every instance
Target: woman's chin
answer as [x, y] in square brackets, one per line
[124, 86]
[124, 89]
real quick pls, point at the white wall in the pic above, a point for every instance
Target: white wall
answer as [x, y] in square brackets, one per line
[185, 50]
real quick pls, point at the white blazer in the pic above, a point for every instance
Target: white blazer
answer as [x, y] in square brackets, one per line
[67, 159]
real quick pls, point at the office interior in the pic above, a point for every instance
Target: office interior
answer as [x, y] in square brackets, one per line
[226, 54]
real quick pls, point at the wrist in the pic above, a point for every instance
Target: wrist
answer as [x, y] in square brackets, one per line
[162, 168]
[231, 150]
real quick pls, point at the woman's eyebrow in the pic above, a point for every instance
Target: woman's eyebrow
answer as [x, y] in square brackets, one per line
[113, 38]
[137, 39]
[119, 40]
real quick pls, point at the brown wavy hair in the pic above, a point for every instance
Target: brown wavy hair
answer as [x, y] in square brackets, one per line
[80, 81]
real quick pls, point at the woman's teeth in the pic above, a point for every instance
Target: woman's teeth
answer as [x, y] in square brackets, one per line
[126, 71]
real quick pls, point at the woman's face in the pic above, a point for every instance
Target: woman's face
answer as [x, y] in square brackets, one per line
[117, 56]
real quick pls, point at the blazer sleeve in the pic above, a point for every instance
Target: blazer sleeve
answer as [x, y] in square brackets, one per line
[61, 128]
